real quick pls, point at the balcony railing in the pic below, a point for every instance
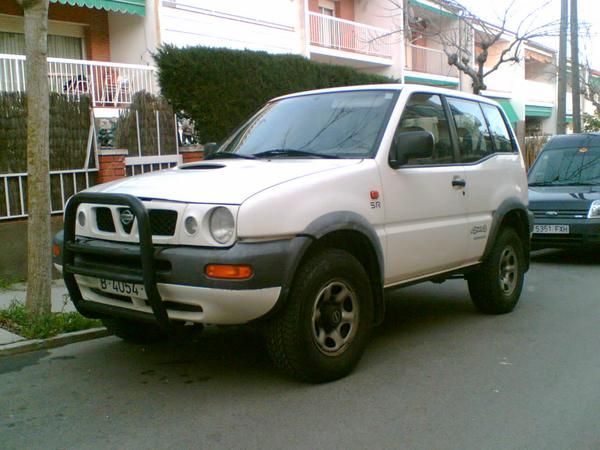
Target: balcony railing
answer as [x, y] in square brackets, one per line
[429, 60]
[107, 84]
[348, 36]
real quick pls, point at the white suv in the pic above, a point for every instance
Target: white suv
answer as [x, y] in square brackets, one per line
[303, 219]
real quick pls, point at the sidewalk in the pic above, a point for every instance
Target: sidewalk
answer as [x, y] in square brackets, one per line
[18, 291]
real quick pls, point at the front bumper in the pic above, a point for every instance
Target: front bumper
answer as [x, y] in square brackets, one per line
[583, 234]
[175, 286]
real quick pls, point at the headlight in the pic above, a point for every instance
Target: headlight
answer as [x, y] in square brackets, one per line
[594, 212]
[221, 225]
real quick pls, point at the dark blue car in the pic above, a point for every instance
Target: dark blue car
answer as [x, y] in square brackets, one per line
[564, 193]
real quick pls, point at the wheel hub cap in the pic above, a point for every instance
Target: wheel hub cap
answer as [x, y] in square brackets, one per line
[335, 317]
[508, 271]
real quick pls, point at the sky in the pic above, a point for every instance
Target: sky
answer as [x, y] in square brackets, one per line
[546, 11]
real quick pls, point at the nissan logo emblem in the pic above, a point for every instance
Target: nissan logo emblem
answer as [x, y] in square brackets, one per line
[126, 217]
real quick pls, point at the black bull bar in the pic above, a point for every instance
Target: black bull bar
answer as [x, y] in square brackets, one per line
[147, 275]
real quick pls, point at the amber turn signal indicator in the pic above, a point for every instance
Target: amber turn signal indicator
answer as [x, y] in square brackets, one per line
[56, 250]
[228, 271]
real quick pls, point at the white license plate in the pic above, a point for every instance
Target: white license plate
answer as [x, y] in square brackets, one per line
[551, 229]
[122, 288]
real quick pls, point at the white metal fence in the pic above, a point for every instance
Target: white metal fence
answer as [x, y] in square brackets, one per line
[429, 60]
[108, 84]
[136, 165]
[340, 34]
[64, 183]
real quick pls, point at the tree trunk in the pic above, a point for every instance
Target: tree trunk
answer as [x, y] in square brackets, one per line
[39, 270]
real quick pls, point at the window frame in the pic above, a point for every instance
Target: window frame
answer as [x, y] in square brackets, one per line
[451, 131]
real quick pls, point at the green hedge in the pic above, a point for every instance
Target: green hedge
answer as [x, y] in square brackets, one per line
[219, 88]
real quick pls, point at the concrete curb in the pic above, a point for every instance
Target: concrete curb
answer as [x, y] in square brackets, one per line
[55, 341]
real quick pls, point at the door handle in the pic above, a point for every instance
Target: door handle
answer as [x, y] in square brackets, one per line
[458, 182]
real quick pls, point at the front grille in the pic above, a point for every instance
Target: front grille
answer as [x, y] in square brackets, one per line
[163, 222]
[575, 214]
[104, 220]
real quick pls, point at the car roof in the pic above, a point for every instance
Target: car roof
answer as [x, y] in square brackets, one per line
[574, 140]
[394, 87]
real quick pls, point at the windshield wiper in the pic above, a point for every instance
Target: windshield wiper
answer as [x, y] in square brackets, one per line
[292, 152]
[225, 155]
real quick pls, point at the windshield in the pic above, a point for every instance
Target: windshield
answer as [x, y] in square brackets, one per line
[566, 166]
[328, 125]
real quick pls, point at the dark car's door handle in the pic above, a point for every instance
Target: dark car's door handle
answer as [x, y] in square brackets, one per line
[459, 182]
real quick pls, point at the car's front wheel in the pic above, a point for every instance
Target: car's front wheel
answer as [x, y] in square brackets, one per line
[496, 286]
[324, 328]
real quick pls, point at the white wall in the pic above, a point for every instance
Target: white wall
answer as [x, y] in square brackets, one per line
[269, 25]
[134, 38]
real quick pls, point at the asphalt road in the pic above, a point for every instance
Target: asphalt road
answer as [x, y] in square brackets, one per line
[437, 375]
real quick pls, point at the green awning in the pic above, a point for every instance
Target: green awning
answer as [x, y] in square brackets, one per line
[125, 6]
[569, 119]
[430, 81]
[508, 108]
[538, 111]
[437, 10]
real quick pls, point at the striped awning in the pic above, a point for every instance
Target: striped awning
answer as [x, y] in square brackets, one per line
[125, 6]
[509, 109]
[538, 111]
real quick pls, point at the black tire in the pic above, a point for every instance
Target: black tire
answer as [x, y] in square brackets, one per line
[324, 328]
[496, 286]
[138, 332]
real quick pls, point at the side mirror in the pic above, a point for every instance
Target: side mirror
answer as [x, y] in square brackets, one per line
[410, 144]
[210, 147]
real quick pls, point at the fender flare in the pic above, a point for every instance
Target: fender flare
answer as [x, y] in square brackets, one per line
[506, 207]
[320, 227]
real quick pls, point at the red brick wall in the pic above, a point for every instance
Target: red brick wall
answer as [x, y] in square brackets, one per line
[313, 5]
[189, 157]
[344, 9]
[96, 31]
[111, 167]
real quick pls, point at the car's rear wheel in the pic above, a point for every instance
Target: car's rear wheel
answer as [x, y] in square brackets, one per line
[496, 286]
[138, 332]
[324, 328]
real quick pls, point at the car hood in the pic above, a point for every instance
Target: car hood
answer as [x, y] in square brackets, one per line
[219, 181]
[562, 197]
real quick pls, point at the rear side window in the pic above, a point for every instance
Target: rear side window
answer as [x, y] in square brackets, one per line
[474, 139]
[498, 129]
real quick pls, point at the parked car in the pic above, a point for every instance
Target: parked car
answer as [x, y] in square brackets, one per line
[304, 218]
[564, 193]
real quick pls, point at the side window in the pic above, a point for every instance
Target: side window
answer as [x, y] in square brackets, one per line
[426, 112]
[474, 140]
[500, 134]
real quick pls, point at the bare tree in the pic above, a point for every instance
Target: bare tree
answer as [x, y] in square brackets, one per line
[480, 58]
[39, 271]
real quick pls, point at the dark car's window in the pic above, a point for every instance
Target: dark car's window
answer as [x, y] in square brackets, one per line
[564, 166]
[498, 128]
[474, 140]
[337, 124]
[425, 112]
